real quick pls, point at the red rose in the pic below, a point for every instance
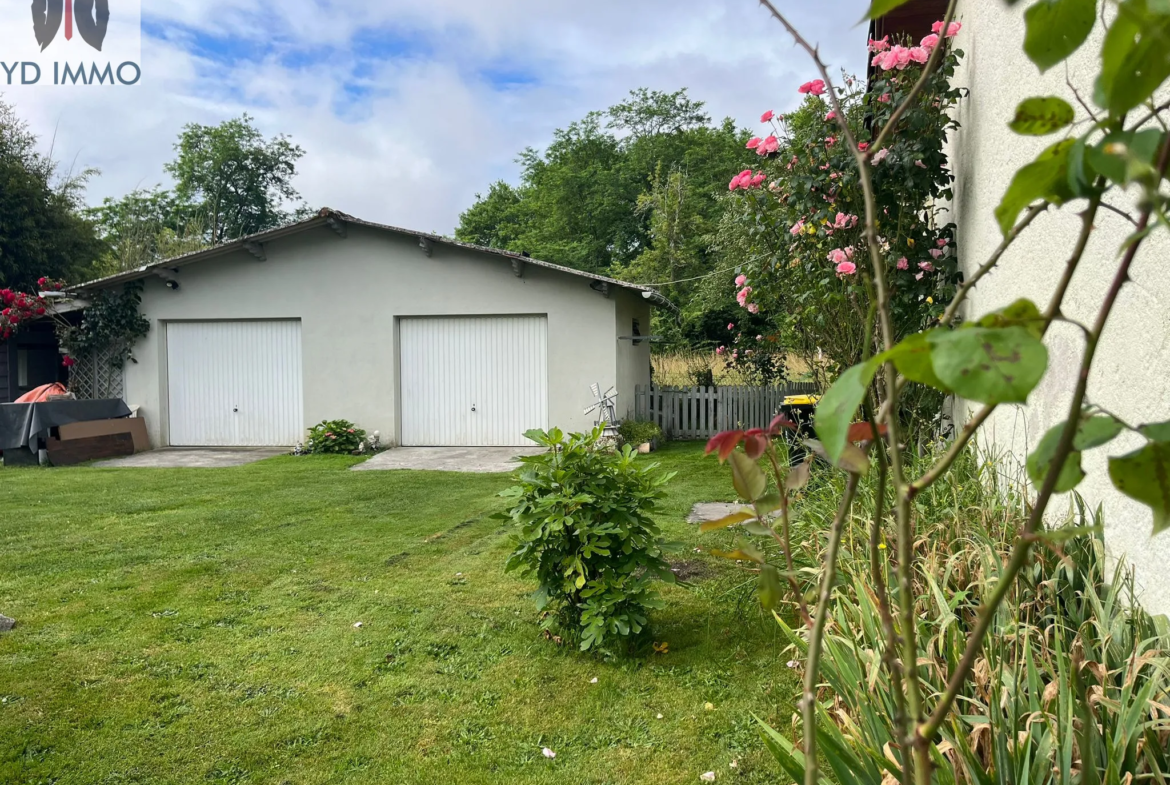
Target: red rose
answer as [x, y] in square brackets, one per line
[67, 362]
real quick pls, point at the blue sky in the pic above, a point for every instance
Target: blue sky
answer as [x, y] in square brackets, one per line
[407, 108]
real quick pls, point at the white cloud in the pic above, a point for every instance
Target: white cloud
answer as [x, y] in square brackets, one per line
[395, 102]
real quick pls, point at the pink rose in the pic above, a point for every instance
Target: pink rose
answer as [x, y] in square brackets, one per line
[942, 242]
[830, 141]
[815, 87]
[880, 155]
[753, 308]
[953, 29]
[919, 164]
[936, 252]
[759, 338]
[830, 117]
[919, 54]
[721, 350]
[754, 142]
[731, 325]
[884, 98]
[930, 42]
[863, 146]
[879, 45]
[797, 228]
[903, 264]
[846, 268]
[889, 59]
[766, 116]
[926, 267]
[740, 280]
[768, 146]
[902, 55]
[758, 180]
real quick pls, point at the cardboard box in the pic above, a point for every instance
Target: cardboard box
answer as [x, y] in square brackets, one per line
[135, 426]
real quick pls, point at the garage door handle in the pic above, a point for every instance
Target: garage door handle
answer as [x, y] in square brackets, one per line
[473, 407]
[235, 408]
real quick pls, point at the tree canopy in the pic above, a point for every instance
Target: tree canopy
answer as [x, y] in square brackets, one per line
[230, 181]
[42, 231]
[632, 192]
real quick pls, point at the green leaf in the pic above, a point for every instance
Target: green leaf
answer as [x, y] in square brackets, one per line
[1056, 29]
[1044, 178]
[747, 477]
[1127, 157]
[1021, 313]
[1156, 432]
[912, 359]
[798, 476]
[1096, 431]
[769, 586]
[838, 406]
[1040, 116]
[989, 364]
[728, 520]
[1144, 476]
[1135, 64]
[1040, 462]
[852, 459]
[882, 7]
[1081, 174]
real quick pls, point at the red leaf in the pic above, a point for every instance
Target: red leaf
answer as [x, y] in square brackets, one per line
[781, 421]
[863, 432]
[724, 443]
[755, 443]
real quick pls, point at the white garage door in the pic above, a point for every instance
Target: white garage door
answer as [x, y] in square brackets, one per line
[473, 381]
[235, 384]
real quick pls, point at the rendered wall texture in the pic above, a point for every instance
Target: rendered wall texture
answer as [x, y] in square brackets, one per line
[1132, 374]
[349, 293]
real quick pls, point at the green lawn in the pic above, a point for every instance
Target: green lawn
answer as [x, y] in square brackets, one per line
[186, 625]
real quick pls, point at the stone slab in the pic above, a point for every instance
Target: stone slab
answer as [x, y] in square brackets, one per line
[476, 460]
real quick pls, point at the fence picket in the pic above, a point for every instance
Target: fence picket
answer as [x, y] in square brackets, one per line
[702, 412]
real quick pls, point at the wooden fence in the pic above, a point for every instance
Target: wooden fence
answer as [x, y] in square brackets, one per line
[702, 412]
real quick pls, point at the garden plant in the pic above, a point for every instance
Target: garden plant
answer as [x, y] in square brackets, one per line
[1039, 670]
[585, 532]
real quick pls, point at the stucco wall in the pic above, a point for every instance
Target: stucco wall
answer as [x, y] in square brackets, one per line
[633, 362]
[348, 294]
[1132, 372]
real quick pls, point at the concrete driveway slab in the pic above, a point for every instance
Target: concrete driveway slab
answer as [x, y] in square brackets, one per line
[478, 460]
[190, 459]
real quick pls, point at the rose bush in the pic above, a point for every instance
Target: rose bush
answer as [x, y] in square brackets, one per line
[797, 237]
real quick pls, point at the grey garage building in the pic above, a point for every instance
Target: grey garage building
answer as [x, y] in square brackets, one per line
[425, 339]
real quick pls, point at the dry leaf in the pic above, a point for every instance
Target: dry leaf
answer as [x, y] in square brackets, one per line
[1051, 692]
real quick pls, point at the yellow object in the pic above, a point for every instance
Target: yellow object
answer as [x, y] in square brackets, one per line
[802, 400]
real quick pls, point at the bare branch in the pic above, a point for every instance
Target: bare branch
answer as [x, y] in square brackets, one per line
[989, 265]
[812, 669]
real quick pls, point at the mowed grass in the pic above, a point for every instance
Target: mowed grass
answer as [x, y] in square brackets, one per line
[180, 626]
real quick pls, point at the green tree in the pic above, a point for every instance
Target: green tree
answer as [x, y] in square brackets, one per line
[145, 226]
[42, 232]
[598, 198]
[235, 178]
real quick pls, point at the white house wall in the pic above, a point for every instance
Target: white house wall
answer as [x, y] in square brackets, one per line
[633, 362]
[1132, 372]
[349, 293]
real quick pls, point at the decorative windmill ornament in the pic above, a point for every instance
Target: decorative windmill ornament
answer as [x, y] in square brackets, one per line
[606, 408]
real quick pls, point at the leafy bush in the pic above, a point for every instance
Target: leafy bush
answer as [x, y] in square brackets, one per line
[586, 535]
[334, 436]
[637, 432]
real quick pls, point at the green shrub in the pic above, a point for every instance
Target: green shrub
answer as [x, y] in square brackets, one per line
[334, 436]
[637, 432]
[586, 535]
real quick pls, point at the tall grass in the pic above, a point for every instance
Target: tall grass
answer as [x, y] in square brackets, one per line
[690, 368]
[1072, 686]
